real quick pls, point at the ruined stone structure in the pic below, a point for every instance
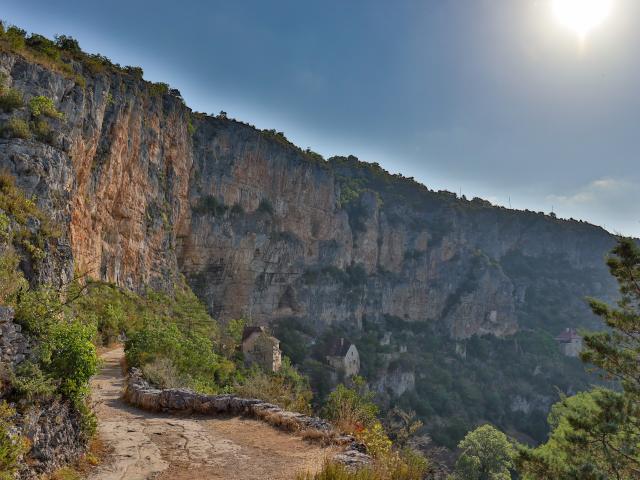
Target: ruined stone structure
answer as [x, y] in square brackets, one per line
[260, 348]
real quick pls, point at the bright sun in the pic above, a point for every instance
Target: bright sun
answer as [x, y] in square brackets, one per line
[581, 16]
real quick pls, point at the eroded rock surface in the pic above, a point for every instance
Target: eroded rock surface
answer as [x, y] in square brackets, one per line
[144, 190]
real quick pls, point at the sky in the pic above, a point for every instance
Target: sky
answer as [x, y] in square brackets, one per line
[490, 98]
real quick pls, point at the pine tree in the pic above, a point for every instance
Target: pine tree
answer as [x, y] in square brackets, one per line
[596, 435]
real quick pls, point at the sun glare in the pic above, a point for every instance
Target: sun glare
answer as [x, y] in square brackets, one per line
[581, 16]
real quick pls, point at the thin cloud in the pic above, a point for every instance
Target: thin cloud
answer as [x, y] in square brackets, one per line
[595, 191]
[610, 202]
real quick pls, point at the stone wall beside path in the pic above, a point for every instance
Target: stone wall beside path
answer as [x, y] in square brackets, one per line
[139, 393]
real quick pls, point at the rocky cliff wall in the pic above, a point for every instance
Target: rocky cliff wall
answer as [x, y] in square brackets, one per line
[114, 174]
[145, 190]
[53, 428]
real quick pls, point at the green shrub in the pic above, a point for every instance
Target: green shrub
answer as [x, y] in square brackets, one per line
[65, 473]
[403, 465]
[313, 156]
[136, 72]
[485, 453]
[17, 128]
[351, 408]
[95, 63]
[42, 130]
[5, 227]
[68, 354]
[38, 310]
[11, 279]
[30, 383]
[116, 310]
[158, 89]
[231, 338]
[111, 322]
[237, 210]
[12, 447]
[42, 105]
[192, 354]
[15, 37]
[376, 439]
[286, 388]
[163, 373]
[190, 126]
[10, 100]
[43, 46]
[68, 44]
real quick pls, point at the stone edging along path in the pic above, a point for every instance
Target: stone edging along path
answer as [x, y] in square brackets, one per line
[139, 393]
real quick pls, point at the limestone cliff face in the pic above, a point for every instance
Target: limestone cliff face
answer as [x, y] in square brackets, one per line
[144, 190]
[114, 176]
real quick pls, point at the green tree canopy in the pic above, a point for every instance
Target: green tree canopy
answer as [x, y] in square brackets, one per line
[486, 454]
[596, 435]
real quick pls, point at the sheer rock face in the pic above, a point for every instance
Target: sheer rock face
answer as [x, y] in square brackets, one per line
[262, 230]
[114, 176]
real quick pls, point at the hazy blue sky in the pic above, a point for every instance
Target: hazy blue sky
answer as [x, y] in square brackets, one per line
[491, 97]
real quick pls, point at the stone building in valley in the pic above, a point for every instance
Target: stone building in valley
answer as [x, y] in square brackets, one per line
[260, 348]
[570, 342]
[344, 357]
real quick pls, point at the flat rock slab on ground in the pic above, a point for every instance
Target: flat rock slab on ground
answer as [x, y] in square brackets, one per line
[148, 445]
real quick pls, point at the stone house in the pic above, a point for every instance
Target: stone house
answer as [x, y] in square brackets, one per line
[570, 342]
[260, 348]
[344, 357]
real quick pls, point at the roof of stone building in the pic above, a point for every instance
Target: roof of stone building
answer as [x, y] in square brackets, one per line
[248, 331]
[568, 335]
[339, 347]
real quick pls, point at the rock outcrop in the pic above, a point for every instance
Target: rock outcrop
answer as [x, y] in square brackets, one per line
[144, 190]
[14, 346]
[52, 428]
[54, 431]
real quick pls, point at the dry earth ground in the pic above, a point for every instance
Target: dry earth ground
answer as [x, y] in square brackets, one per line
[150, 445]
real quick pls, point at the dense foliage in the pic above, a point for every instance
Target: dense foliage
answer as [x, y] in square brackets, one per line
[64, 55]
[351, 409]
[190, 355]
[596, 435]
[65, 357]
[11, 445]
[485, 454]
[286, 388]
[449, 396]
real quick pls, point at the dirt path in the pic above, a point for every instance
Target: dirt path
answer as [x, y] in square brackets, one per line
[156, 446]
